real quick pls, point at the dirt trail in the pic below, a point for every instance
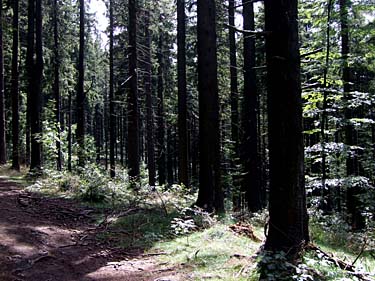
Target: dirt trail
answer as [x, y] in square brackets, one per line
[52, 239]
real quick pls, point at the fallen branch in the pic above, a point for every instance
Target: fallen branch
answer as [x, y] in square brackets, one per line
[349, 268]
[361, 252]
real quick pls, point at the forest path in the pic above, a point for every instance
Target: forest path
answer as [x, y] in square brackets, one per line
[54, 239]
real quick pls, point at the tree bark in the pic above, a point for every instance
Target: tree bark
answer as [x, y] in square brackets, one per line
[288, 223]
[149, 106]
[56, 83]
[30, 50]
[133, 114]
[161, 123]
[112, 121]
[15, 90]
[357, 220]
[183, 141]
[70, 117]
[81, 96]
[251, 184]
[36, 97]
[233, 80]
[210, 196]
[3, 150]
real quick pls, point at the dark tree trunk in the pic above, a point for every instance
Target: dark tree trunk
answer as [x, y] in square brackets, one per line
[183, 141]
[70, 116]
[80, 132]
[161, 123]
[56, 83]
[194, 150]
[3, 150]
[210, 196]
[288, 223]
[121, 136]
[36, 97]
[112, 121]
[251, 185]
[149, 106]
[30, 72]
[353, 203]
[169, 156]
[326, 190]
[234, 99]
[233, 80]
[15, 91]
[133, 114]
[98, 133]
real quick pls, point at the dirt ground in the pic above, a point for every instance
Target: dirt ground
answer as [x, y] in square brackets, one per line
[53, 239]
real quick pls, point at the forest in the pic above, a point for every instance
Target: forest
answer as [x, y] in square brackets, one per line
[189, 140]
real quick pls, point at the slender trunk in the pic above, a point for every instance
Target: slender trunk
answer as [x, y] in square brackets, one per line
[328, 205]
[353, 202]
[56, 83]
[15, 91]
[149, 107]
[233, 80]
[288, 223]
[133, 117]
[234, 100]
[251, 184]
[36, 99]
[70, 116]
[183, 141]
[30, 73]
[169, 156]
[161, 122]
[210, 194]
[112, 115]
[80, 132]
[98, 132]
[3, 150]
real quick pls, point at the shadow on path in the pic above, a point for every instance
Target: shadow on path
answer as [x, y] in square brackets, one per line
[55, 239]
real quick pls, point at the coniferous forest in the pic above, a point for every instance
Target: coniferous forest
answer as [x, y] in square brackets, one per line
[189, 140]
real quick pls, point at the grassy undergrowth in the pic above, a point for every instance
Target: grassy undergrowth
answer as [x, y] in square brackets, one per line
[195, 244]
[18, 177]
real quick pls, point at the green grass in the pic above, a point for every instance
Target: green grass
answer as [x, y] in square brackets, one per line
[215, 254]
[18, 177]
[140, 230]
[211, 252]
[345, 245]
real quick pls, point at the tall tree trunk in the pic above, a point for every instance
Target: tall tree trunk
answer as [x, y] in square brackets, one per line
[112, 121]
[233, 79]
[353, 203]
[36, 98]
[30, 73]
[56, 83]
[169, 156]
[183, 141]
[251, 184]
[80, 132]
[326, 193]
[133, 114]
[210, 196]
[3, 150]
[70, 116]
[288, 223]
[161, 123]
[15, 90]
[149, 106]
[98, 132]
[234, 99]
